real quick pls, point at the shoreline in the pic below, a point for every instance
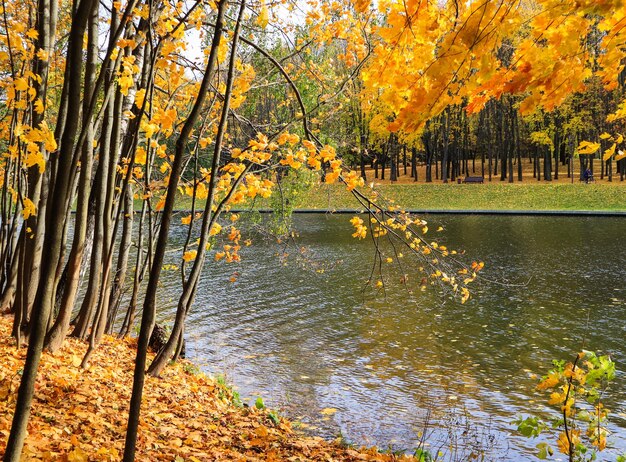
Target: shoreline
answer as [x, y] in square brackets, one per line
[567, 213]
[494, 199]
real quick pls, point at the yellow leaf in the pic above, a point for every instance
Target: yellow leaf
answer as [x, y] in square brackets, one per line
[328, 411]
[587, 147]
[29, 208]
[215, 229]
[564, 443]
[263, 17]
[77, 455]
[161, 203]
[42, 54]
[39, 108]
[35, 157]
[46, 136]
[140, 156]
[605, 136]
[549, 382]
[190, 255]
[262, 431]
[139, 97]
[5, 390]
[21, 84]
[609, 152]
[125, 82]
[361, 5]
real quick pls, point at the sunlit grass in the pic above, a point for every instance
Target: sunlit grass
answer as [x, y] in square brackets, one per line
[589, 197]
[437, 196]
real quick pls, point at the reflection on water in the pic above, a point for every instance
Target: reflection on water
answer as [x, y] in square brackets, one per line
[306, 340]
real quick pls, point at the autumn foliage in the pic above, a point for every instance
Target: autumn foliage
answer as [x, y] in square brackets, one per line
[80, 414]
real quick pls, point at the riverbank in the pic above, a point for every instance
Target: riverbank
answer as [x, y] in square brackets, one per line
[489, 196]
[494, 196]
[80, 414]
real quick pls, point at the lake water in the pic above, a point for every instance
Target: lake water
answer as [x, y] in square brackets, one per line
[302, 333]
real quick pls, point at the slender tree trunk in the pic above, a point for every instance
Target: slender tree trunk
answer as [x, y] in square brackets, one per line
[61, 325]
[53, 235]
[122, 261]
[445, 159]
[147, 321]
[393, 165]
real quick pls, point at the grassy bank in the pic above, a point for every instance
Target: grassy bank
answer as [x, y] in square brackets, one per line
[489, 196]
[80, 414]
[494, 196]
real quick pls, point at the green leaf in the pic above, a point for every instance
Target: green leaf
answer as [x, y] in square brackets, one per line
[544, 451]
[530, 427]
[259, 404]
[273, 416]
[422, 455]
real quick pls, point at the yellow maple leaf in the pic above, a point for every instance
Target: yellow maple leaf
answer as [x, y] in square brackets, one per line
[263, 18]
[77, 455]
[564, 444]
[161, 203]
[361, 6]
[42, 54]
[39, 107]
[35, 157]
[190, 255]
[21, 84]
[29, 208]
[140, 156]
[125, 82]
[609, 152]
[549, 382]
[215, 229]
[139, 97]
[587, 147]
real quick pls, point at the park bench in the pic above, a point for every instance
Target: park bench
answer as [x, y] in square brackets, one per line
[474, 179]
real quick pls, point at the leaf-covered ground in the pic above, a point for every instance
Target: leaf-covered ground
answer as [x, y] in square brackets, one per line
[80, 414]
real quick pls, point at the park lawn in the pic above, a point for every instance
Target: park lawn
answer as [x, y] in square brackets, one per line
[80, 414]
[494, 196]
[452, 196]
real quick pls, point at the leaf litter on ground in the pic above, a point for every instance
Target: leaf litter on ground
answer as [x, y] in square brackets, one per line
[80, 415]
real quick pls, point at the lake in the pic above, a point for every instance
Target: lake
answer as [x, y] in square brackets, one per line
[300, 331]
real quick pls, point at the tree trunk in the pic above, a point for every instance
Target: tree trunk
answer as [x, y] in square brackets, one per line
[53, 232]
[147, 321]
